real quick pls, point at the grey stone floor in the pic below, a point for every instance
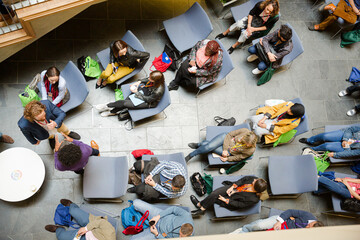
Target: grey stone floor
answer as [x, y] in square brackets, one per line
[316, 76]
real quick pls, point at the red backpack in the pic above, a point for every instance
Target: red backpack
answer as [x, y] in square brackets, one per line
[131, 230]
[162, 62]
[140, 152]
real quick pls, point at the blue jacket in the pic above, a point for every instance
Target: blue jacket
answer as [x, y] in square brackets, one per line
[171, 220]
[300, 218]
[354, 151]
[33, 131]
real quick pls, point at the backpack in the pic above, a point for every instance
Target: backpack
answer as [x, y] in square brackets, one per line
[198, 184]
[130, 217]
[140, 152]
[162, 62]
[173, 54]
[62, 217]
[354, 76]
[350, 204]
[225, 122]
[131, 230]
[89, 67]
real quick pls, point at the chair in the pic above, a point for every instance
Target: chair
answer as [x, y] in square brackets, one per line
[187, 29]
[340, 22]
[227, 67]
[296, 51]
[75, 84]
[274, 211]
[292, 175]
[224, 213]
[133, 41]
[138, 114]
[213, 131]
[105, 178]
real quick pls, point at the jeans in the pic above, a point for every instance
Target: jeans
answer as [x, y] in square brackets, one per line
[258, 225]
[327, 185]
[332, 141]
[80, 216]
[262, 65]
[214, 145]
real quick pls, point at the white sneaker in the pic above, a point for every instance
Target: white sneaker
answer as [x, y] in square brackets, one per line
[343, 93]
[252, 58]
[351, 112]
[256, 71]
[107, 114]
[102, 107]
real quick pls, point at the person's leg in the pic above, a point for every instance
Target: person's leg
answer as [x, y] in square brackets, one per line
[252, 49]
[182, 73]
[333, 136]
[335, 187]
[357, 108]
[107, 72]
[260, 225]
[210, 146]
[329, 146]
[62, 234]
[121, 72]
[142, 207]
[79, 215]
[211, 199]
[262, 66]
[63, 129]
[350, 90]
[324, 24]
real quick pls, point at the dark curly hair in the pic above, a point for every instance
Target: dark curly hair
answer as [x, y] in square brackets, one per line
[69, 155]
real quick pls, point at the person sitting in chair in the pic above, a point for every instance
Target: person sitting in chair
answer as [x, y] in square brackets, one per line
[243, 193]
[347, 92]
[203, 66]
[273, 121]
[274, 47]
[262, 17]
[232, 147]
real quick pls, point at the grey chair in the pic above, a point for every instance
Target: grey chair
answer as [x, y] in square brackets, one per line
[187, 29]
[292, 175]
[227, 67]
[75, 84]
[274, 211]
[140, 114]
[222, 213]
[243, 10]
[133, 41]
[213, 131]
[105, 178]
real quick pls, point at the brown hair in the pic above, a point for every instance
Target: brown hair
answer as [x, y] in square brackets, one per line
[250, 138]
[274, 3]
[33, 109]
[319, 224]
[52, 72]
[158, 78]
[187, 229]
[117, 46]
[260, 185]
[178, 181]
[212, 49]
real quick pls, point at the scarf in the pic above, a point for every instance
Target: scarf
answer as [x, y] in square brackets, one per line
[54, 89]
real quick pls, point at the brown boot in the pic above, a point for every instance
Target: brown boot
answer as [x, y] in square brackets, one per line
[65, 202]
[6, 139]
[52, 228]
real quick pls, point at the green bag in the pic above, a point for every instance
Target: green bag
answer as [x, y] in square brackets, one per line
[27, 96]
[118, 94]
[286, 137]
[321, 162]
[208, 182]
[236, 167]
[350, 38]
[92, 68]
[266, 76]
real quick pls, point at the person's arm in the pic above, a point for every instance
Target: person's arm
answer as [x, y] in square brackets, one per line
[158, 168]
[352, 192]
[155, 96]
[352, 4]
[141, 56]
[281, 129]
[29, 136]
[112, 57]
[296, 214]
[201, 72]
[284, 51]
[58, 113]
[348, 132]
[43, 88]
[266, 40]
[192, 55]
[347, 154]
[241, 203]
[245, 180]
[62, 91]
[177, 211]
[168, 193]
[239, 156]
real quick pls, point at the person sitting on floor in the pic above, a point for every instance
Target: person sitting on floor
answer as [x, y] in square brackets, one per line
[53, 87]
[275, 46]
[345, 9]
[289, 219]
[243, 193]
[123, 60]
[348, 91]
[165, 178]
[262, 17]
[149, 90]
[6, 139]
[73, 155]
[42, 120]
[92, 227]
[273, 121]
[203, 66]
[232, 147]
[173, 222]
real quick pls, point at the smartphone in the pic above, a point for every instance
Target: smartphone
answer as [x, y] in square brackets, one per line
[151, 222]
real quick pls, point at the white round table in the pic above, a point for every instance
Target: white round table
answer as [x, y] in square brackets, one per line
[22, 173]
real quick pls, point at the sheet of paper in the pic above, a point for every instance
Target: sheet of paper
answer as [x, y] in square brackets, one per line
[216, 155]
[136, 101]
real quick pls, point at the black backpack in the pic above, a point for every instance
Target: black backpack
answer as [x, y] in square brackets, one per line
[350, 204]
[225, 122]
[173, 54]
[198, 184]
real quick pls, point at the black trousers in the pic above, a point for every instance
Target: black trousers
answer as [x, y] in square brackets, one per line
[213, 197]
[184, 77]
[126, 103]
[353, 89]
[140, 189]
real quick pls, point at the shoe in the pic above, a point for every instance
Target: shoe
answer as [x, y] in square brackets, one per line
[65, 202]
[197, 212]
[99, 86]
[343, 93]
[107, 114]
[52, 228]
[193, 145]
[220, 36]
[102, 107]
[173, 86]
[94, 145]
[74, 135]
[195, 201]
[6, 139]
[312, 28]
[256, 71]
[252, 58]
[187, 158]
[131, 190]
[351, 112]
[303, 140]
[52, 143]
[230, 50]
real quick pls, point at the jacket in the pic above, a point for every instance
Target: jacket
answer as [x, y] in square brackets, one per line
[354, 150]
[296, 218]
[33, 131]
[155, 94]
[281, 126]
[101, 228]
[206, 74]
[240, 199]
[239, 153]
[130, 58]
[281, 50]
[61, 87]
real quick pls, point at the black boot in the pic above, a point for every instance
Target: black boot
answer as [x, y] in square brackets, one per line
[230, 50]
[52, 143]
[193, 145]
[74, 135]
[220, 36]
[195, 201]
[173, 86]
[197, 212]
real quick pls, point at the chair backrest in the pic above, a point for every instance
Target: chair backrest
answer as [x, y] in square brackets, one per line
[241, 11]
[98, 212]
[226, 68]
[198, 19]
[133, 41]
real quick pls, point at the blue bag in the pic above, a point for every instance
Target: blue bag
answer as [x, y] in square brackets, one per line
[130, 217]
[63, 217]
[354, 75]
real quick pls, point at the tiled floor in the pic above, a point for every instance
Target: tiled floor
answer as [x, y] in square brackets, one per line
[316, 76]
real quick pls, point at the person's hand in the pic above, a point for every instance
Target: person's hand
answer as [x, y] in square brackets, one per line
[277, 226]
[224, 159]
[82, 231]
[230, 191]
[155, 219]
[250, 30]
[150, 182]
[330, 154]
[345, 144]
[191, 71]
[57, 143]
[149, 178]
[261, 41]
[38, 142]
[261, 124]
[51, 125]
[339, 179]
[272, 57]
[154, 230]
[225, 153]
[67, 138]
[221, 198]
[192, 63]
[357, 12]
